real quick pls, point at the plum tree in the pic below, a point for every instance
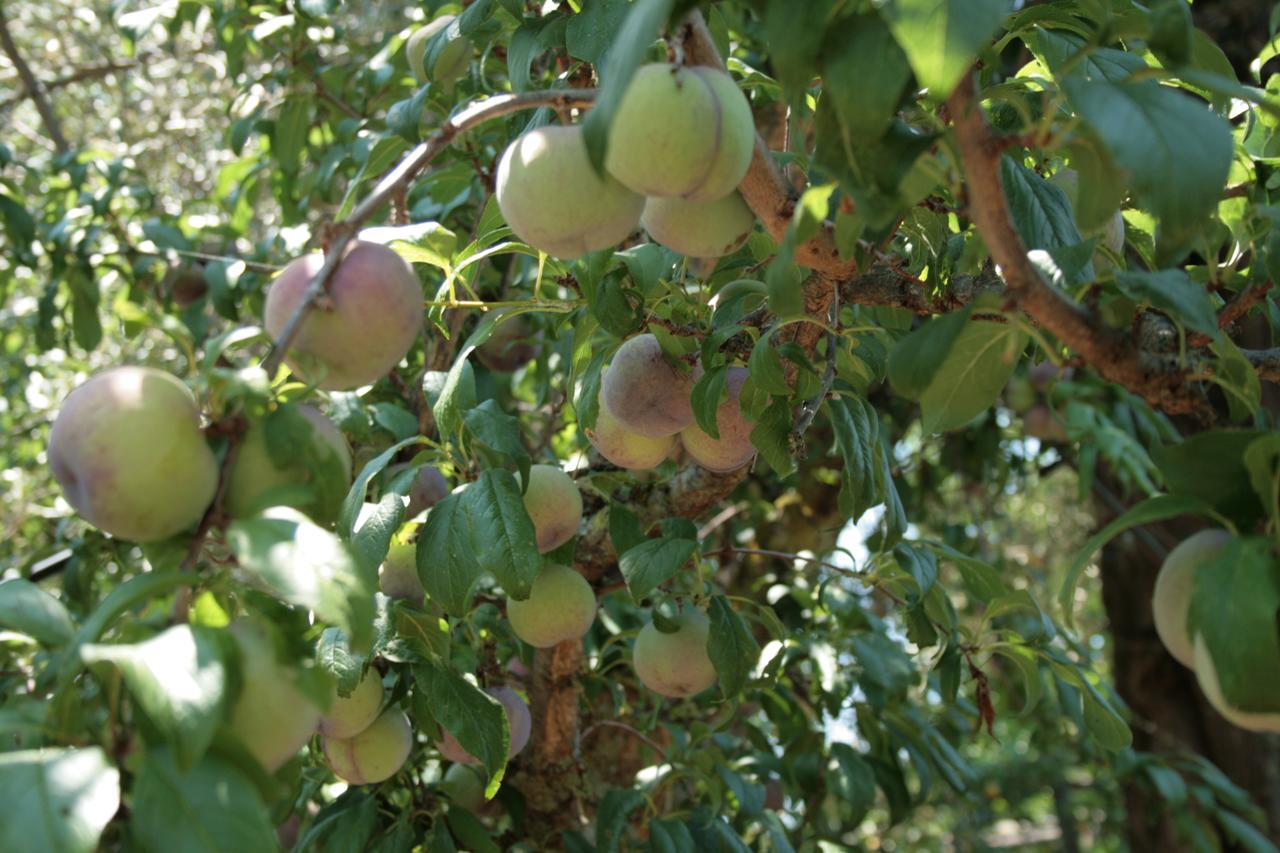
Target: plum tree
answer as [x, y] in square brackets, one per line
[733, 448]
[398, 574]
[1172, 596]
[646, 392]
[428, 488]
[129, 454]
[681, 131]
[451, 60]
[369, 321]
[1207, 677]
[560, 607]
[1110, 235]
[699, 229]
[676, 664]
[374, 754]
[465, 786]
[554, 504]
[349, 715]
[519, 726]
[510, 346]
[271, 717]
[321, 460]
[625, 448]
[554, 201]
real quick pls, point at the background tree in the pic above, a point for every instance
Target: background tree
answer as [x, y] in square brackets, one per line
[986, 269]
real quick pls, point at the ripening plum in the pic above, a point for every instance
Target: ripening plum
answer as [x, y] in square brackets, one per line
[1171, 599]
[625, 448]
[465, 786]
[271, 716]
[427, 489]
[646, 392]
[519, 725]
[398, 574]
[699, 229]
[1207, 676]
[733, 448]
[510, 347]
[1041, 422]
[681, 131]
[560, 607]
[554, 201]
[368, 322]
[452, 60]
[1111, 234]
[373, 755]
[323, 462]
[554, 504]
[676, 664]
[349, 715]
[129, 454]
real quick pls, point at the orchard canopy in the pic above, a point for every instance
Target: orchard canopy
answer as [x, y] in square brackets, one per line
[639, 425]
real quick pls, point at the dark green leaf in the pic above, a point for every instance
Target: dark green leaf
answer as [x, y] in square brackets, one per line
[27, 609]
[732, 649]
[212, 806]
[64, 797]
[502, 531]
[448, 565]
[468, 713]
[1173, 292]
[942, 37]
[653, 562]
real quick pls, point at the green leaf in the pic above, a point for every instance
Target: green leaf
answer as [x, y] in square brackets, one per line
[915, 360]
[1237, 377]
[307, 565]
[1173, 292]
[1103, 721]
[178, 678]
[624, 529]
[1025, 660]
[448, 565]
[213, 806]
[289, 136]
[1210, 467]
[979, 363]
[457, 393]
[921, 564]
[1040, 211]
[854, 782]
[335, 657]
[1158, 508]
[471, 715]
[1262, 460]
[495, 429]
[611, 818]
[57, 799]
[855, 425]
[772, 437]
[503, 532]
[650, 564]
[670, 836]
[1234, 607]
[765, 367]
[27, 609]
[590, 33]
[864, 71]
[942, 37]
[705, 399]
[354, 501]
[732, 649]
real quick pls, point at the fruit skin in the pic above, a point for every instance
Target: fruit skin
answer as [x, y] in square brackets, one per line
[676, 664]
[373, 755]
[519, 725]
[1019, 394]
[625, 448]
[398, 574]
[1207, 676]
[684, 132]
[256, 470]
[554, 200]
[645, 392]
[452, 61]
[699, 229]
[560, 607]
[509, 347]
[349, 715]
[369, 321]
[428, 488]
[733, 448]
[554, 504]
[1040, 422]
[271, 716]
[128, 452]
[1172, 596]
[464, 786]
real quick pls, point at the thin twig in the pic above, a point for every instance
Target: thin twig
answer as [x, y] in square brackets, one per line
[38, 95]
[624, 727]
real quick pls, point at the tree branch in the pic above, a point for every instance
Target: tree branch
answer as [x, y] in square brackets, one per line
[90, 72]
[33, 86]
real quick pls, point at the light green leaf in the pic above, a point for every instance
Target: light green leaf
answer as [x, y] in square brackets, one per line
[27, 609]
[648, 565]
[57, 799]
[942, 37]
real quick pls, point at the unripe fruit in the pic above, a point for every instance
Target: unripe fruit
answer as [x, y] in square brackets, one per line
[324, 462]
[625, 448]
[1207, 676]
[519, 725]
[560, 607]
[554, 504]
[349, 715]
[129, 454]
[368, 322]
[398, 574]
[464, 786]
[373, 755]
[1019, 394]
[699, 229]
[554, 201]
[428, 488]
[684, 132]
[452, 61]
[676, 664]
[645, 392]
[733, 448]
[271, 716]
[1171, 599]
[509, 347]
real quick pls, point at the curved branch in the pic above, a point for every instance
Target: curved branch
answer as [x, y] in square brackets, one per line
[32, 85]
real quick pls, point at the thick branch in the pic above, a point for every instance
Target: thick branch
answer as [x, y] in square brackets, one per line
[1157, 379]
[33, 86]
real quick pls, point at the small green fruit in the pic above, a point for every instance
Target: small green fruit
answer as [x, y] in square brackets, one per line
[676, 664]
[271, 716]
[560, 608]
[349, 715]
[1171, 599]
[646, 392]
[733, 448]
[554, 504]
[398, 575]
[699, 229]
[128, 452]
[373, 755]
[465, 787]
[1019, 394]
